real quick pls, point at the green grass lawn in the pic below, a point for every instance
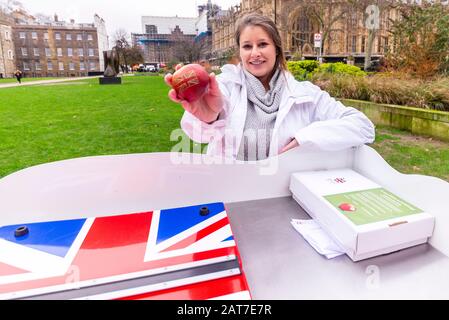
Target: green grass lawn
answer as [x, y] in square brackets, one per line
[11, 80]
[42, 124]
[47, 123]
[409, 153]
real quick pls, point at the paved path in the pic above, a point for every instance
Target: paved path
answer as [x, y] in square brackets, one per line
[31, 83]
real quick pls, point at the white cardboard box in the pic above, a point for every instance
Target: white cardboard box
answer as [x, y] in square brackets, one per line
[365, 219]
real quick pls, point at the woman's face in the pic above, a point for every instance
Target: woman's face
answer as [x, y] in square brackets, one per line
[258, 53]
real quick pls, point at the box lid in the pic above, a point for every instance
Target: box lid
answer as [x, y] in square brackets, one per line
[361, 215]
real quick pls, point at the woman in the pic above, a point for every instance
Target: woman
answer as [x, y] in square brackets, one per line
[257, 109]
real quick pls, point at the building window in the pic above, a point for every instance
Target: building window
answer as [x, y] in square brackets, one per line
[386, 45]
[46, 36]
[151, 29]
[49, 66]
[80, 52]
[38, 66]
[59, 52]
[71, 66]
[79, 37]
[68, 36]
[7, 35]
[354, 44]
[24, 51]
[47, 52]
[26, 66]
[10, 55]
[61, 66]
[36, 52]
[82, 68]
[92, 66]
[57, 36]
[89, 37]
[303, 30]
[354, 20]
[363, 44]
[22, 35]
[34, 35]
[70, 52]
[91, 52]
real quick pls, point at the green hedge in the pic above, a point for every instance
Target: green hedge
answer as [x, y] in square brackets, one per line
[305, 69]
[340, 68]
[302, 70]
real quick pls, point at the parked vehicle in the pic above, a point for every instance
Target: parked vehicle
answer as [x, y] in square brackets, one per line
[146, 68]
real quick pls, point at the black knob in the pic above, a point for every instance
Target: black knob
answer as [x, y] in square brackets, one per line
[21, 231]
[204, 211]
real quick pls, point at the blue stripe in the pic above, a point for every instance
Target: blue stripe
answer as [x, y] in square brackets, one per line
[51, 237]
[228, 239]
[174, 221]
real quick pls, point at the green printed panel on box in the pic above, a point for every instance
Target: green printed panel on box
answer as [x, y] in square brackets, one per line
[368, 206]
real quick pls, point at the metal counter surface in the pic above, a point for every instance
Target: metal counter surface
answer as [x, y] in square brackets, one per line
[280, 264]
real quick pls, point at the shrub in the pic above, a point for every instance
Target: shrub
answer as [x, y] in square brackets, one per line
[340, 68]
[302, 70]
[387, 89]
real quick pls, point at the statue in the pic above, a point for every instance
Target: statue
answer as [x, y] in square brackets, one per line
[111, 63]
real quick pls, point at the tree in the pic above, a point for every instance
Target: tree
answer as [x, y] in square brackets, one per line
[421, 45]
[121, 41]
[327, 13]
[188, 50]
[134, 55]
[373, 10]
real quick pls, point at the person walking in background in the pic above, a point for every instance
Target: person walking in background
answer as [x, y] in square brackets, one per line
[18, 75]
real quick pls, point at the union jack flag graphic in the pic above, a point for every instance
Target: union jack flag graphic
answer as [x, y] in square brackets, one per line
[167, 254]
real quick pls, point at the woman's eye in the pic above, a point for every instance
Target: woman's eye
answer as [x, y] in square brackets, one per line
[247, 47]
[263, 45]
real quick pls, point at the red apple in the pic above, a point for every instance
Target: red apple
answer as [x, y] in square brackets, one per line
[347, 207]
[190, 82]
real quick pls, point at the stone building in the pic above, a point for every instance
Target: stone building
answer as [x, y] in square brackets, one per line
[160, 35]
[344, 28]
[169, 39]
[7, 60]
[58, 48]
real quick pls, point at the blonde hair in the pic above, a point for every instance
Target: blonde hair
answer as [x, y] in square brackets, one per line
[258, 20]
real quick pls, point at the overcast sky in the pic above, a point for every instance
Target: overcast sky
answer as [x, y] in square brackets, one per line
[124, 14]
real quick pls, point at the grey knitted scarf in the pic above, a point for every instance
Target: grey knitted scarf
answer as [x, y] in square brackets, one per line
[263, 107]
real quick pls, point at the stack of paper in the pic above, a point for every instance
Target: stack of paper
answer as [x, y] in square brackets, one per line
[317, 238]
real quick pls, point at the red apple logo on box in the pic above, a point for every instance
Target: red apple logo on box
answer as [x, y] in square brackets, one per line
[347, 207]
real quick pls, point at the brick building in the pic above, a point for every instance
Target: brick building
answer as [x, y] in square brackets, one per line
[7, 62]
[58, 48]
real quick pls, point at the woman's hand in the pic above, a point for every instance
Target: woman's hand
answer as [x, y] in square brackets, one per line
[208, 107]
[291, 145]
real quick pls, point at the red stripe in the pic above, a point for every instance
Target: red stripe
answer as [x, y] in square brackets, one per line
[199, 235]
[198, 291]
[7, 270]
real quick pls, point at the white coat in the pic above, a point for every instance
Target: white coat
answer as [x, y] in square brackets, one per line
[306, 113]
